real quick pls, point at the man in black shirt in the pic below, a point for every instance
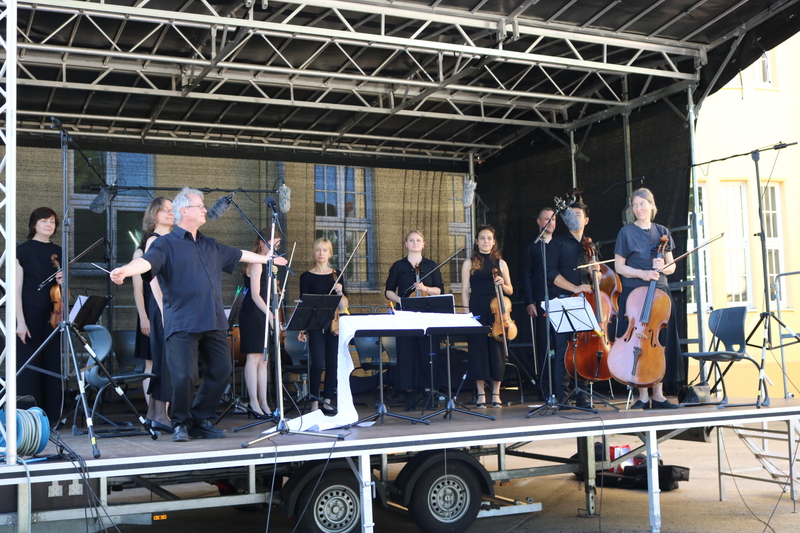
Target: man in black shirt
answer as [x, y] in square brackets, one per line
[188, 265]
[533, 284]
[564, 255]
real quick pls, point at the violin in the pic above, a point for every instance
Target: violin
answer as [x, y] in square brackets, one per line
[280, 303]
[504, 328]
[417, 293]
[57, 315]
[637, 358]
[591, 347]
[337, 312]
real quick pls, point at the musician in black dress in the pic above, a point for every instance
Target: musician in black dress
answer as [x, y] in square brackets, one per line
[323, 345]
[413, 353]
[158, 220]
[252, 319]
[34, 307]
[636, 263]
[487, 358]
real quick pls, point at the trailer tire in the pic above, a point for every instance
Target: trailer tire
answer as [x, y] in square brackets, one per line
[445, 501]
[334, 504]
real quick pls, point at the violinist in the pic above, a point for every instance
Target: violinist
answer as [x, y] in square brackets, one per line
[252, 320]
[413, 362]
[637, 265]
[323, 345]
[486, 361]
[157, 221]
[34, 308]
[533, 283]
[564, 255]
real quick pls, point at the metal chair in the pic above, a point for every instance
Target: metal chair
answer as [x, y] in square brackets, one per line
[102, 345]
[727, 329]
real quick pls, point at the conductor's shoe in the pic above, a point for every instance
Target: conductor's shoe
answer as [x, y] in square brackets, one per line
[180, 434]
[204, 429]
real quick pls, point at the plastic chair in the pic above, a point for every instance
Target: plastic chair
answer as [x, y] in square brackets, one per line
[298, 353]
[102, 345]
[728, 333]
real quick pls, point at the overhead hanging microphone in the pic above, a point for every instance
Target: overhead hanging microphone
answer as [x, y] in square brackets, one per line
[219, 207]
[103, 199]
[272, 204]
[567, 214]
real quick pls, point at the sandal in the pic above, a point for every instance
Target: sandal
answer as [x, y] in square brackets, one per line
[481, 405]
[498, 403]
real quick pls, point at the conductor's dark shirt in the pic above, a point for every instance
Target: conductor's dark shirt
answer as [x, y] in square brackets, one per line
[564, 254]
[189, 272]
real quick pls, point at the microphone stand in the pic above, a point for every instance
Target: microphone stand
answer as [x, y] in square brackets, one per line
[551, 404]
[282, 427]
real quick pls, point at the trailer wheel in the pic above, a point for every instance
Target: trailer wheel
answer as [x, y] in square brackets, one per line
[334, 505]
[445, 501]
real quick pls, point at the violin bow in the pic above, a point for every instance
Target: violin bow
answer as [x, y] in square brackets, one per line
[286, 277]
[86, 251]
[437, 267]
[718, 237]
[352, 254]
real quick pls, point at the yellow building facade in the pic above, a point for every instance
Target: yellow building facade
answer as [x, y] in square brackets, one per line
[757, 110]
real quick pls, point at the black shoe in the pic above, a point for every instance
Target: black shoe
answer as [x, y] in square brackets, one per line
[180, 434]
[496, 404]
[480, 404]
[639, 404]
[666, 404]
[257, 416]
[328, 410]
[158, 426]
[204, 429]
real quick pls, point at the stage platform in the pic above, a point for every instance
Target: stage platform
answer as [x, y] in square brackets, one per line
[126, 462]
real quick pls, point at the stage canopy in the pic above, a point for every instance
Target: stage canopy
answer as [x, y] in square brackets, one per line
[413, 83]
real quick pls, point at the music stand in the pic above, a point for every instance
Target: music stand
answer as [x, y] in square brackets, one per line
[442, 303]
[447, 412]
[313, 311]
[87, 310]
[570, 315]
[233, 321]
[381, 409]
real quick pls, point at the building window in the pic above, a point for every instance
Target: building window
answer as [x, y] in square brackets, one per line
[701, 260]
[764, 72]
[343, 207]
[736, 244]
[773, 238]
[121, 223]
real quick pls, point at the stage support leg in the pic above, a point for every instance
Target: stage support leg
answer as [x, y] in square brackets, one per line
[793, 432]
[589, 467]
[365, 471]
[652, 481]
[24, 508]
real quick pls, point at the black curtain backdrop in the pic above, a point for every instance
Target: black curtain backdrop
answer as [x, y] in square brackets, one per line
[526, 177]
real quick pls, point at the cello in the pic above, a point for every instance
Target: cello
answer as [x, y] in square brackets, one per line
[637, 358]
[590, 357]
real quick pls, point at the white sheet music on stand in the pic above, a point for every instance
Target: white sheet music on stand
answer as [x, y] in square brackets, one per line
[348, 325]
[572, 314]
[79, 301]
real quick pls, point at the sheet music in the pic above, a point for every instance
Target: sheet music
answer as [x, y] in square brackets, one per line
[79, 301]
[572, 314]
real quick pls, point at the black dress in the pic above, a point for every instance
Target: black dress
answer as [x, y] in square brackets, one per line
[160, 385]
[142, 347]
[323, 345]
[252, 319]
[413, 353]
[35, 259]
[486, 359]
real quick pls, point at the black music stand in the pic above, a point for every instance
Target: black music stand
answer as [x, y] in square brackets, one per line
[442, 303]
[447, 412]
[87, 310]
[569, 315]
[381, 409]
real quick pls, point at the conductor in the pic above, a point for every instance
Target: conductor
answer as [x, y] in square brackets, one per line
[188, 265]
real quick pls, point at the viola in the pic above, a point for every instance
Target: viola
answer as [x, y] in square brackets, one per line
[57, 315]
[504, 328]
[337, 312]
[281, 319]
[417, 293]
[637, 357]
[590, 357]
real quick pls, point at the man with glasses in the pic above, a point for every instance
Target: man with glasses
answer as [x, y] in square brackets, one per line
[188, 265]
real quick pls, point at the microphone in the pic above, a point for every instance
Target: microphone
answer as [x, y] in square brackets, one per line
[272, 204]
[567, 214]
[219, 207]
[56, 123]
[102, 200]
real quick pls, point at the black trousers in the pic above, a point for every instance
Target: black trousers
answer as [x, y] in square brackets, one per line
[182, 351]
[45, 389]
[323, 354]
